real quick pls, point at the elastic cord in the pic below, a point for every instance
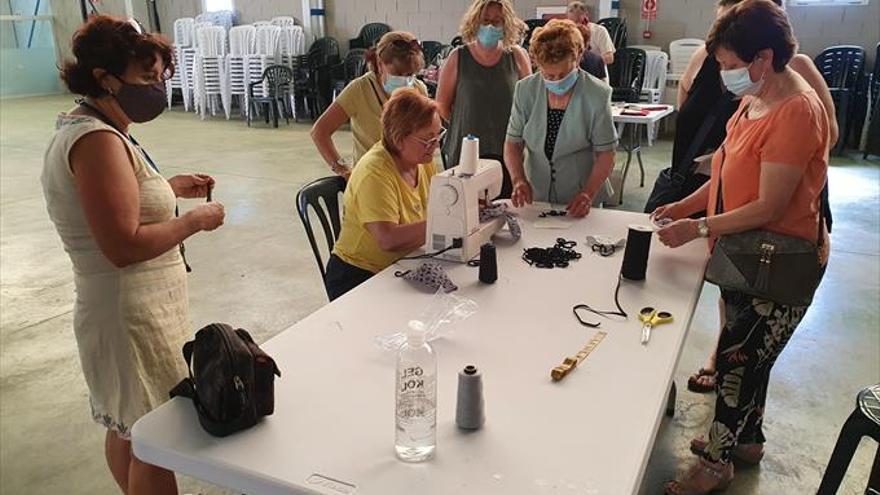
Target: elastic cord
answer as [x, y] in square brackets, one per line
[605, 314]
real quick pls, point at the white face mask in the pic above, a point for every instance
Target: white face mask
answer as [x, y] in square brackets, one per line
[739, 82]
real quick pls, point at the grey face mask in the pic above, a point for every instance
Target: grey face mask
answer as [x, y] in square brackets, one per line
[429, 276]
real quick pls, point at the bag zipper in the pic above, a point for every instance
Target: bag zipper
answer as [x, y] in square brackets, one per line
[236, 379]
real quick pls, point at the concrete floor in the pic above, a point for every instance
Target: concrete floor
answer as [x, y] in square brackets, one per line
[258, 272]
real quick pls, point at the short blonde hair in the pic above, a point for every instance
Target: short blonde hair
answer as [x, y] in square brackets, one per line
[556, 41]
[400, 50]
[513, 26]
[578, 6]
[406, 112]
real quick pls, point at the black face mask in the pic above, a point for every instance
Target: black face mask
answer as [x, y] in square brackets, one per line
[142, 102]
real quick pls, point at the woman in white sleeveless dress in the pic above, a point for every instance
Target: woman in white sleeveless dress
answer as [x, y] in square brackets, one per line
[115, 215]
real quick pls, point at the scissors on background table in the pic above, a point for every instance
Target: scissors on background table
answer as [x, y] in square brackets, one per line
[650, 318]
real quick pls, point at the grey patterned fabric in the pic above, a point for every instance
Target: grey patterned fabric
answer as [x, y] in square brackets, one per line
[500, 209]
[429, 276]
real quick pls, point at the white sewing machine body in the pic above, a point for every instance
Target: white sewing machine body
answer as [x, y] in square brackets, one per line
[454, 210]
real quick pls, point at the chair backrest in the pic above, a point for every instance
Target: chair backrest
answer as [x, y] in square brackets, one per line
[183, 31]
[278, 79]
[370, 33]
[875, 81]
[430, 49]
[291, 40]
[323, 52]
[456, 41]
[627, 73]
[655, 69]
[616, 27]
[212, 41]
[258, 24]
[355, 63]
[268, 37]
[224, 18]
[324, 190]
[681, 51]
[842, 66]
[242, 40]
[282, 21]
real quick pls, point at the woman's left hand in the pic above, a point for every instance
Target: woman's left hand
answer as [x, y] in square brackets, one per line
[580, 205]
[191, 185]
[679, 232]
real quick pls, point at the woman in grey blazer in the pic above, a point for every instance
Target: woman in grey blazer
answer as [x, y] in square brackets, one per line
[560, 138]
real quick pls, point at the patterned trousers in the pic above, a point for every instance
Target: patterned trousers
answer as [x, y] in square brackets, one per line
[753, 337]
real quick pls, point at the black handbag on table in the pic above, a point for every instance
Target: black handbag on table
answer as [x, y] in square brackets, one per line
[777, 267]
[231, 380]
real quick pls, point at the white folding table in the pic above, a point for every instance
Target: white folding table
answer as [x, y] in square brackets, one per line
[333, 427]
[634, 143]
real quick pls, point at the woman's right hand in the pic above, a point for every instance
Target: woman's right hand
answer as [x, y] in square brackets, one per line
[342, 171]
[522, 193]
[672, 212]
[207, 216]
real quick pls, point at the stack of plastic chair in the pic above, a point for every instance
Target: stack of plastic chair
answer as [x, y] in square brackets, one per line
[843, 68]
[680, 53]
[258, 24]
[290, 44]
[188, 57]
[209, 73]
[242, 44]
[265, 55]
[183, 39]
[616, 27]
[654, 84]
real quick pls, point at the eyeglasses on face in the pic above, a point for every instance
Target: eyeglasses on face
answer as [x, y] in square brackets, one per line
[430, 143]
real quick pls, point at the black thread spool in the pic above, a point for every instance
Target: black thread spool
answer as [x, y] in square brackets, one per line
[635, 257]
[488, 264]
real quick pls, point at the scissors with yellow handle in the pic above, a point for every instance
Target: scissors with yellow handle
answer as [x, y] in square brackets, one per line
[650, 318]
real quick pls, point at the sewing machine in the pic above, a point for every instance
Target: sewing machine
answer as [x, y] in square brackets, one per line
[454, 210]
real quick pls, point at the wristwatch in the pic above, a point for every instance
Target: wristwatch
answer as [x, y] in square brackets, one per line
[703, 227]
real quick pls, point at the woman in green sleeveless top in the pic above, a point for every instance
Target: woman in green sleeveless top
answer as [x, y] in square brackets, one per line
[476, 85]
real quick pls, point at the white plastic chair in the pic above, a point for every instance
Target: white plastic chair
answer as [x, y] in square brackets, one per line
[209, 73]
[259, 24]
[183, 39]
[290, 44]
[680, 53]
[266, 54]
[654, 84]
[242, 44]
[282, 21]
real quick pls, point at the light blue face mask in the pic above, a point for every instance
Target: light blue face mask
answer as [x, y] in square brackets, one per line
[393, 83]
[563, 85]
[489, 35]
[739, 82]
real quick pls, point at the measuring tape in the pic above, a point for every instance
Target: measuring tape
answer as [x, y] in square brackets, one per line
[570, 363]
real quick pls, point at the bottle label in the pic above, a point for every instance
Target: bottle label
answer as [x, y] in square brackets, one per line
[416, 393]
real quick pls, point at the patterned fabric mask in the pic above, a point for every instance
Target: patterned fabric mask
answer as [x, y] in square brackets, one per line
[429, 276]
[500, 209]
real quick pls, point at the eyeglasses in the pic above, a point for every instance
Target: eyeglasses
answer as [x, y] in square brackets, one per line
[430, 143]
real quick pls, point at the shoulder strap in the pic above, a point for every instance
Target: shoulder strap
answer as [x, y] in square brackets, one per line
[697, 142]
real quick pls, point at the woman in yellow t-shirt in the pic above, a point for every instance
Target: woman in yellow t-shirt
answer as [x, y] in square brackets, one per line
[393, 63]
[386, 199]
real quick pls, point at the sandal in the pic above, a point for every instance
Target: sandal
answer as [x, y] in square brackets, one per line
[702, 478]
[695, 381]
[747, 453]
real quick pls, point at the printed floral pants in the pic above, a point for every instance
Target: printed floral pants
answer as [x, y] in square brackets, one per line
[755, 334]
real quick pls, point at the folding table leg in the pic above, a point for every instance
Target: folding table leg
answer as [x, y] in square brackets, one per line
[670, 401]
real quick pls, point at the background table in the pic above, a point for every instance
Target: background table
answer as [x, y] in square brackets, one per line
[634, 142]
[333, 427]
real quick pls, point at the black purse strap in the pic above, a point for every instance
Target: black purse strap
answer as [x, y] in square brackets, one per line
[697, 142]
[719, 202]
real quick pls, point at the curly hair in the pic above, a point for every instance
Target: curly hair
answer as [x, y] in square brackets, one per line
[556, 41]
[113, 44]
[752, 26]
[513, 26]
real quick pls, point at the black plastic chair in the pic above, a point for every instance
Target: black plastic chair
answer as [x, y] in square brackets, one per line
[313, 75]
[531, 25]
[353, 66]
[324, 190]
[278, 80]
[369, 35]
[616, 27]
[430, 49]
[864, 421]
[456, 42]
[627, 74]
[873, 145]
[843, 68]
